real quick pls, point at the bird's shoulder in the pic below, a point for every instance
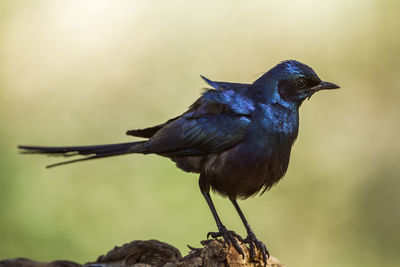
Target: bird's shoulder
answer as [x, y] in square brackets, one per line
[233, 102]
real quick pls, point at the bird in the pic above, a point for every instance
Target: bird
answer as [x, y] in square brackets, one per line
[237, 136]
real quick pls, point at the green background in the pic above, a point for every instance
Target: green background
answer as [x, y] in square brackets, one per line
[83, 72]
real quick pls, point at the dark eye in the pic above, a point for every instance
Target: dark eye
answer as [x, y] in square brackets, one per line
[301, 82]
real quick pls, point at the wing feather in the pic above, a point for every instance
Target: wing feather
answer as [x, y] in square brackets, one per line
[215, 122]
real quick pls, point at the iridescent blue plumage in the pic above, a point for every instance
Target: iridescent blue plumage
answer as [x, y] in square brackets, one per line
[237, 136]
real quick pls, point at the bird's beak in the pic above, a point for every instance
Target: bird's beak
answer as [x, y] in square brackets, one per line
[321, 86]
[324, 86]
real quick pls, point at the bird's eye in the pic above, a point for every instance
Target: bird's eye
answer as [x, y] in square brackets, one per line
[301, 82]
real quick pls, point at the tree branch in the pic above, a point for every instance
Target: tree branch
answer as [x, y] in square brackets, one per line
[153, 253]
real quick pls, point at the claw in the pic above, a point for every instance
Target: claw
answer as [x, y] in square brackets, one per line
[254, 244]
[252, 250]
[230, 237]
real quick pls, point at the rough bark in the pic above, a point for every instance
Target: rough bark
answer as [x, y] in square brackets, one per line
[153, 253]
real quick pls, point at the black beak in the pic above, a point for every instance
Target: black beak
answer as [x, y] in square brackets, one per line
[325, 86]
[321, 86]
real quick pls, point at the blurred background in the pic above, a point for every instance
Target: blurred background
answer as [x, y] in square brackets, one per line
[83, 72]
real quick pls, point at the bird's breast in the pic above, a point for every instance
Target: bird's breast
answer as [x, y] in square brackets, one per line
[258, 162]
[279, 119]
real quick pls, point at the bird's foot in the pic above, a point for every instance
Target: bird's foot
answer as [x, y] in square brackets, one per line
[230, 237]
[254, 244]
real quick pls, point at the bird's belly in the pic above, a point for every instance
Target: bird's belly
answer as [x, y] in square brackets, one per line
[242, 171]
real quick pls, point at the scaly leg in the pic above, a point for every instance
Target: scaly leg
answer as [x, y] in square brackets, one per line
[229, 236]
[251, 238]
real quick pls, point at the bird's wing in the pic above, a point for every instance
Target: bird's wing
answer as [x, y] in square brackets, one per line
[215, 122]
[150, 131]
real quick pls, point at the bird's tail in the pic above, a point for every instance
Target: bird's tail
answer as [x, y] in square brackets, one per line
[89, 152]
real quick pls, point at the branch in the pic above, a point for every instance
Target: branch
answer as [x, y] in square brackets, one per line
[153, 253]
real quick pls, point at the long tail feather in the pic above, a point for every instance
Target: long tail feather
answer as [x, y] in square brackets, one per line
[89, 152]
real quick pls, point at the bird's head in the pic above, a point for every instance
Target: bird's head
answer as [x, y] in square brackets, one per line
[294, 81]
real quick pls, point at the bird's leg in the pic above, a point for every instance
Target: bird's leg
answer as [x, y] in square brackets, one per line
[251, 238]
[230, 237]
